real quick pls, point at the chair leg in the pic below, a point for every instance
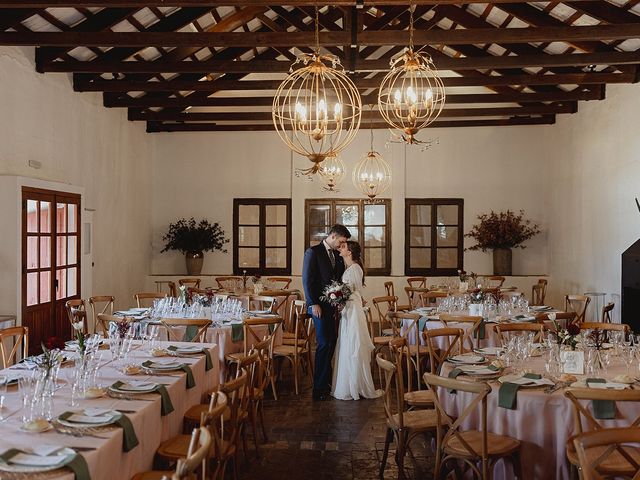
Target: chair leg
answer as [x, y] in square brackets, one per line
[273, 387]
[254, 427]
[295, 373]
[261, 414]
[385, 454]
[400, 453]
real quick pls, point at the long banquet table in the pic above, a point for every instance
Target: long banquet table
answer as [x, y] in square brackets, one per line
[542, 421]
[108, 461]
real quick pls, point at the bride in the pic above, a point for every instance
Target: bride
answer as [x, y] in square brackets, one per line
[352, 370]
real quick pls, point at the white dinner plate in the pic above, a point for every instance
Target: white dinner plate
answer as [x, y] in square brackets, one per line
[83, 418]
[172, 365]
[134, 386]
[519, 379]
[188, 349]
[31, 463]
[478, 370]
[258, 312]
[489, 350]
[467, 359]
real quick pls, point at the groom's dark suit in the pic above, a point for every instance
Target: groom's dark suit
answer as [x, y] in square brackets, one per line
[317, 273]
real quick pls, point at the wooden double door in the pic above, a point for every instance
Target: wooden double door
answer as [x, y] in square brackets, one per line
[50, 262]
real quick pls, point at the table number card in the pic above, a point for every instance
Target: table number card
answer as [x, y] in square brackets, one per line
[573, 361]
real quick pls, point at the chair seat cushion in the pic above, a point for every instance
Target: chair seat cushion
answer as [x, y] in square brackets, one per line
[174, 448]
[287, 350]
[498, 445]
[381, 340]
[416, 420]
[419, 398]
[614, 464]
[418, 349]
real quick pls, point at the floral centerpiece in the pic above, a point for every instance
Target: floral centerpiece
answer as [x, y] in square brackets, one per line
[258, 286]
[204, 299]
[336, 294]
[501, 232]
[567, 336]
[78, 329]
[193, 238]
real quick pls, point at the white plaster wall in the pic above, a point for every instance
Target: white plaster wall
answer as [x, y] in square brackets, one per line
[88, 147]
[594, 161]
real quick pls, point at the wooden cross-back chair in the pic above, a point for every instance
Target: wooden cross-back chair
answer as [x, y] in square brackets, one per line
[606, 312]
[389, 289]
[429, 299]
[263, 303]
[578, 304]
[584, 421]
[453, 345]
[417, 282]
[537, 294]
[505, 330]
[379, 341]
[178, 329]
[264, 377]
[607, 327]
[95, 303]
[407, 326]
[228, 282]
[402, 425]
[298, 351]
[495, 281]
[472, 334]
[477, 449]
[595, 449]
[77, 312]
[145, 299]
[568, 316]
[189, 282]
[384, 305]
[13, 340]
[413, 296]
[105, 320]
[279, 282]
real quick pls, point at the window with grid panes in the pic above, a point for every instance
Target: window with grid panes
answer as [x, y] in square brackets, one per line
[369, 224]
[433, 236]
[262, 236]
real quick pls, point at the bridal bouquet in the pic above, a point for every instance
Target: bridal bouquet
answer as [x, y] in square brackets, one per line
[336, 294]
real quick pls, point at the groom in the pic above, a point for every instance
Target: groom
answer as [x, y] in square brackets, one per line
[322, 264]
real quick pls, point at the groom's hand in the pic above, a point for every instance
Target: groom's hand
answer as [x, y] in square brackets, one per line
[316, 311]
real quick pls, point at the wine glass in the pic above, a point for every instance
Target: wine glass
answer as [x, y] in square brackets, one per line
[3, 391]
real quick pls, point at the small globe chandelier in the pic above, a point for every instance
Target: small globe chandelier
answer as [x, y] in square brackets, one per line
[332, 170]
[372, 174]
[320, 105]
[411, 95]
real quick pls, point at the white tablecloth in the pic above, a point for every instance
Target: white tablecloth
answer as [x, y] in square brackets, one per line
[108, 461]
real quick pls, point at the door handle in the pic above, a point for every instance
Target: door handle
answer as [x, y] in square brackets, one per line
[55, 284]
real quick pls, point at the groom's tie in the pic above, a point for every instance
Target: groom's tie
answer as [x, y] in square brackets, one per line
[332, 258]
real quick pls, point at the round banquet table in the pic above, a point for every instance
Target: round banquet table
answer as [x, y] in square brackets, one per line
[542, 422]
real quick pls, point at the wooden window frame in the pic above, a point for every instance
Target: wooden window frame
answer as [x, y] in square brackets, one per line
[360, 203]
[262, 203]
[433, 203]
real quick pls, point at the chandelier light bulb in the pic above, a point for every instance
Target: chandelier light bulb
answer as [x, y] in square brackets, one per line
[332, 171]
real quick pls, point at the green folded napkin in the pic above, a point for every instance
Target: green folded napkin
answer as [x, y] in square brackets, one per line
[237, 332]
[78, 464]
[190, 333]
[454, 374]
[129, 438]
[480, 331]
[190, 380]
[166, 406]
[208, 363]
[602, 409]
[508, 392]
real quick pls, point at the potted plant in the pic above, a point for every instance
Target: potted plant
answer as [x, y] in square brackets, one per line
[501, 232]
[193, 239]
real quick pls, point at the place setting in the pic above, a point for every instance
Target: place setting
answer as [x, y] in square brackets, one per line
[166, 366]
[132, 390]
[43, 458]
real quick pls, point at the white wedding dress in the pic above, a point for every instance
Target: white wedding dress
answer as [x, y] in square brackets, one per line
[352, 363]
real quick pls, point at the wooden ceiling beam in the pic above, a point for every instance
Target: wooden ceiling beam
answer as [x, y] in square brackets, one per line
[82, 85]
[223, 3]
[10, 18]
[604, 11]
[575, 95]
[272, 66]
[212, 127]
[337, 38]
[266, 116]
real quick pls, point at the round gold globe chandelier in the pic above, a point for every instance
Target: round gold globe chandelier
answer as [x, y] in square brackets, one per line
[411, 95]
[317, 108]
[372, 174]
[332, 170]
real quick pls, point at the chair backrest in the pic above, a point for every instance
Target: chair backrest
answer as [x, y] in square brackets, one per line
[177, 329]
[417, 282]
[389, 289]
[12, 341]
[235, 390]
[254, 332]
[449, 429]
[578, 304]
[568, 316]
[383, 305]
[297, 308]
[505, 330]
[196, 457]
[265, 364]
[100, 304]
[407, 325]
[544, 283]
[537, 294]
[250, 364]
[189, 282]
[606, 312]
[495, 281]
[145, 299]
[104, 320]
[279, 282]
[606, 443]
[77, 312]
[228, 282]
[510, 294]
[173, 291]
[262, 302]
[413, 295]
[393, 386]
[469, 333]
[581, 411]
[618, 327]
[428, 299]
[453, 345]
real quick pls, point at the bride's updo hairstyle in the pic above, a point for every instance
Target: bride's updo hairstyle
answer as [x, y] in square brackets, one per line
[356, 254]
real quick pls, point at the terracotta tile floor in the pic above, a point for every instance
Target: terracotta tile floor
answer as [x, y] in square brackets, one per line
[327, 440]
